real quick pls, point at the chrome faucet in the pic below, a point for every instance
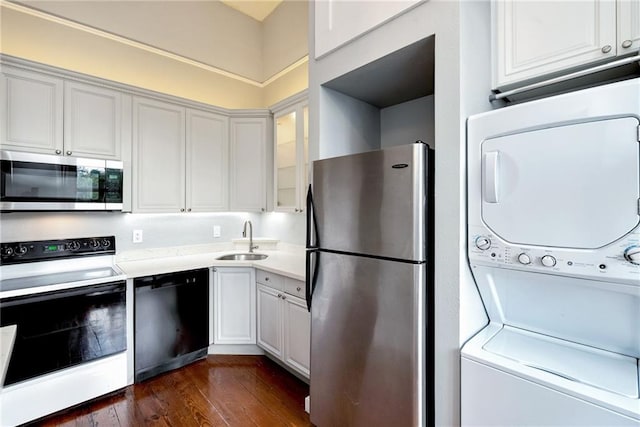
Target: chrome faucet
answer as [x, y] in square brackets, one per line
[244, 234]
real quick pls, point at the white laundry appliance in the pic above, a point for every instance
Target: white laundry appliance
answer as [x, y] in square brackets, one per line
[554, 247]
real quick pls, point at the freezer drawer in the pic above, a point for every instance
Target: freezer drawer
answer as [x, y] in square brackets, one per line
[368, 342]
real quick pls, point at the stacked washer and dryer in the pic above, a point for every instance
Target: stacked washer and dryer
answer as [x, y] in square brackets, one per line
[554, 247]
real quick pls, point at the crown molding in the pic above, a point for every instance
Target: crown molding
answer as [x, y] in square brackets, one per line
[148, 48]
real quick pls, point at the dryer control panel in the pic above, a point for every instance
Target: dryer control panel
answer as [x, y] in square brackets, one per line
[617, 262]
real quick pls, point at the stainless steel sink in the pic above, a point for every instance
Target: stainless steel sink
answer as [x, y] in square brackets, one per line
[242, 257]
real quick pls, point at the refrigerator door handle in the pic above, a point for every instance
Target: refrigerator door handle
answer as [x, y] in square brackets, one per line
[312, 224]
[311, 275]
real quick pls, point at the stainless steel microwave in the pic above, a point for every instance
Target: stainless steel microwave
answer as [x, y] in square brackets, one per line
[40, 182]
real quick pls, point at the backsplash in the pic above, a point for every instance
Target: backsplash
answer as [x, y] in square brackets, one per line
[159, 230]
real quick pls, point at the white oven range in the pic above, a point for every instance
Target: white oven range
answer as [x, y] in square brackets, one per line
[67, 302]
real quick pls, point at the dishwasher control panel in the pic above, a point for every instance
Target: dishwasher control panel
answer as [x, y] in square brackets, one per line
[618, 261]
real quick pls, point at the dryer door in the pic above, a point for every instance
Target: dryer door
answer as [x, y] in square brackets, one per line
[574, 186]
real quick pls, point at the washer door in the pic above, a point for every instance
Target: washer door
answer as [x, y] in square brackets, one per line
[574, 186]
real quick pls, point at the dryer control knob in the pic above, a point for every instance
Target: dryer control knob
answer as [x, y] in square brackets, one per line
[483, 243]
[548, 261]
[632, 254]
[524, 258]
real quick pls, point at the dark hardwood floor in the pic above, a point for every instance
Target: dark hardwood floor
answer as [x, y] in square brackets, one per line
[216, 391]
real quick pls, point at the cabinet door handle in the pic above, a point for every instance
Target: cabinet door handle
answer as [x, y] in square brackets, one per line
[266, 279]
[627, 44]
[58, 151]
[262, 209]
[69, 153]
[182, 210]
[298, 288]
[606, 48]
[284, 297]
[279, 295]
[189, 210]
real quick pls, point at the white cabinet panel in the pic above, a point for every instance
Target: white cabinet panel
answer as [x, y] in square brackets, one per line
[628, 26]
[247, 170]
[284, 324]
[92, 121]
[535, 38]
[31, 112]
[297, 334]
[158, 156]
[270, 320]
[338, 21]
[207, 160]
[234, 306]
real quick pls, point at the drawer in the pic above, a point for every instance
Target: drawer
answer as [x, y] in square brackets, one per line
[270, 279]
[294, 287]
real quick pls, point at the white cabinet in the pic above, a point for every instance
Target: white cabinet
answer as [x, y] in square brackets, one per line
[291, 158]
[247, 167]
[339, 22]
[234, 313]
[93, 121]
[284, 328]
[43, 114]
[628, 25]
[31, 112]
[180, 158]
[158, 156]
[207, 162]
[538, 38]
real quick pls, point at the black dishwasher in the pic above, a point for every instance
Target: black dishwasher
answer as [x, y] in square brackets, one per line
[171, 321]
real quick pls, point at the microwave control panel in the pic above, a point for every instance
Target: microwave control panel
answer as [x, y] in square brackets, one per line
[617, 262]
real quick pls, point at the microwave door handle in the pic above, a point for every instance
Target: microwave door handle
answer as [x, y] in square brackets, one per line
[491, 177]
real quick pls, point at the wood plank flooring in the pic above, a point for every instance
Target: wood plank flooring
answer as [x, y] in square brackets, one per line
[216, 391]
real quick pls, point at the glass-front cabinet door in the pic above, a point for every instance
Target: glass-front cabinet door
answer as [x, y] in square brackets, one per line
[291, 158]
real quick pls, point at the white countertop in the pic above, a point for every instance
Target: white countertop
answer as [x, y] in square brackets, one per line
[288, 262]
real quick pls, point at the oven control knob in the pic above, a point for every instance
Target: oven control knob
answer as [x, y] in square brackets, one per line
[632, 254]
[106, 243]
[20, 250]
[483, 243]
[548, 261]
[7, 251]
[73, 246]
[95, 243]
[524, 258]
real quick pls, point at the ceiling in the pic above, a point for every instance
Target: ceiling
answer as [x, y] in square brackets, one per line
[257, 9]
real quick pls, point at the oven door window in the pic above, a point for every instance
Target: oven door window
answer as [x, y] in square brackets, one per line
[62, 329]
[42, 182]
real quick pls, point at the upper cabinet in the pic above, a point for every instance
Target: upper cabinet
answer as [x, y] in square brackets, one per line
[534, 39]
[339, 22]
[92, 121]
[248, 176]
[291, 158]
[179, 158]
[207, 162]
[43, 114]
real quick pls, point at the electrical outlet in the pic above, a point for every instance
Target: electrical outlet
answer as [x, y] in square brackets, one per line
[137, 236]
[216, 231]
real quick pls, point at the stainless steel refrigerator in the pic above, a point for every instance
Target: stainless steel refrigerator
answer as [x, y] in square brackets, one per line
[370, 288]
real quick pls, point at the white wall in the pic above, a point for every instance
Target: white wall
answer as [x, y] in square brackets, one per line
[284, 36]
[205, 31]
[351, 125]
[159, 230]
[408, 122]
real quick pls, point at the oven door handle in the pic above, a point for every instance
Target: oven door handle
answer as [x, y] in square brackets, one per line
[89, 291]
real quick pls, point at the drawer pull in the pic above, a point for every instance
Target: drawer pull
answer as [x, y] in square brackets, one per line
[298, 288]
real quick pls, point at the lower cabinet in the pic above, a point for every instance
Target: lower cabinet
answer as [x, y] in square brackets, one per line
[283, 321]
[234, 299]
